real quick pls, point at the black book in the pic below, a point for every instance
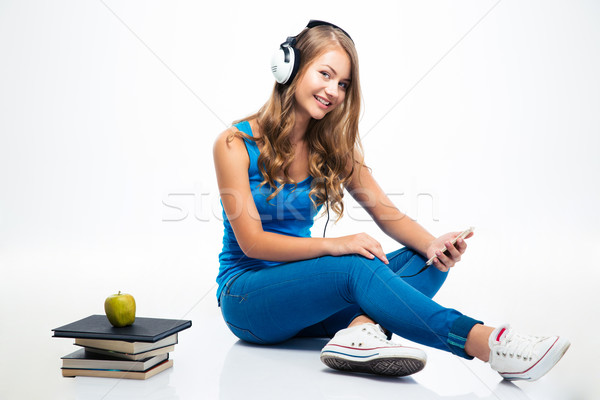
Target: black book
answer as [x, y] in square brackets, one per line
[113, 373]
[82, 359]
[142, 330]
[128, 355]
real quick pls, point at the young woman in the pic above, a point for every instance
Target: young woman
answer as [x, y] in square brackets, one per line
[276, 169]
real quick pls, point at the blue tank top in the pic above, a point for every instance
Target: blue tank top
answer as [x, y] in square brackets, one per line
[289, 213]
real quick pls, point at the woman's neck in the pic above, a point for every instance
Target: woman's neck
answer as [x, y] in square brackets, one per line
[299, 129]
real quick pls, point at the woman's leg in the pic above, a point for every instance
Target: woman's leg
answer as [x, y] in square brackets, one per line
[405, 263]
[274, 304]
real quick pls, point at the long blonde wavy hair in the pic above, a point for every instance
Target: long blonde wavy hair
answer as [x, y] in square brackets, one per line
[331, 140]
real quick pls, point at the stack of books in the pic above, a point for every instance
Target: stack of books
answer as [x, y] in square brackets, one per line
[137, 351]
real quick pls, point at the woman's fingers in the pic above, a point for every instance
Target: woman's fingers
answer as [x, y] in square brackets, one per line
[449, 257]
[450, 260]
[438, 264]
[365, 253]
[454, 253]
[444, 259]
[382, 257]
[373, 247]
[461, 245]
[361, 244]
[378, 252]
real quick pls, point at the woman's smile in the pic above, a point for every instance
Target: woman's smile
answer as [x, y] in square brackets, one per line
[323, 102]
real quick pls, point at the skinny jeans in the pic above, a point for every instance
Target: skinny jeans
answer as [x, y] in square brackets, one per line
[319, 296]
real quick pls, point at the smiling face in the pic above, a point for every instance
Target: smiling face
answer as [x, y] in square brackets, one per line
[323, 85]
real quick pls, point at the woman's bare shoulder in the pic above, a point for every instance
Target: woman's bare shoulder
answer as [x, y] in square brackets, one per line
[229, 149]
[228, 140]
[232, 129]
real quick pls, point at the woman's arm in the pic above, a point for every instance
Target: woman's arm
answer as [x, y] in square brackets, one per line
[397, 225]
[231, 166]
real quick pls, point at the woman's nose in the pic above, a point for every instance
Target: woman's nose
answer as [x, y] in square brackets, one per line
[332, 89]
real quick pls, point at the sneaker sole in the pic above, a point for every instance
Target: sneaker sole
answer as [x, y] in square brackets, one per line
[388, 366]
[556, 352]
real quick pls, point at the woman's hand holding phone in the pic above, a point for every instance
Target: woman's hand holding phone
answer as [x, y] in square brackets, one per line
[446, 250]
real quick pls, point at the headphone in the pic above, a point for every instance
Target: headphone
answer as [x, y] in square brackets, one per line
[286, 60]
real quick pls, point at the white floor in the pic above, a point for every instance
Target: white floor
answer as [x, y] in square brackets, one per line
[210, 363]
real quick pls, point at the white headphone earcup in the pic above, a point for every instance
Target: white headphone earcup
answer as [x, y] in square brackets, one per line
[281, 69]
[278, 65]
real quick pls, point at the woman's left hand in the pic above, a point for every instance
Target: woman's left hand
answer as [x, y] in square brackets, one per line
[446, 260]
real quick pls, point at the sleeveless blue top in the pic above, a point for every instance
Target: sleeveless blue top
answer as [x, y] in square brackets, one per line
[289, 213]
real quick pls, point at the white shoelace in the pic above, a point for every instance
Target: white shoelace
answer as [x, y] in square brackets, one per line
[521, 346]
[377, 332]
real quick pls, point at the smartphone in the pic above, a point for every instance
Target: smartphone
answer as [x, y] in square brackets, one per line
[462, 235]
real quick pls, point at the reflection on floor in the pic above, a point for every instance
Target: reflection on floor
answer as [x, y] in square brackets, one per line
[282, 372]
[210, 363]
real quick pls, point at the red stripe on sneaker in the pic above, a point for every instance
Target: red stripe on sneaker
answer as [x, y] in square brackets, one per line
[545, 354]
[538, 361]
[500, 334]
[372, 348]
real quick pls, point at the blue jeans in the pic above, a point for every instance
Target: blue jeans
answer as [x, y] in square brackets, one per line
[319, 296]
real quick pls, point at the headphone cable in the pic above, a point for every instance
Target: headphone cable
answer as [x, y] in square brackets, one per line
[327, 204]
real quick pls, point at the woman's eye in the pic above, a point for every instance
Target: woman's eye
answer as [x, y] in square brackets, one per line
[344, 85]
[325, 74]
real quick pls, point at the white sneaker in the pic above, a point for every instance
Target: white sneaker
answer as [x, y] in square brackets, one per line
[365, 348]
[516, 356]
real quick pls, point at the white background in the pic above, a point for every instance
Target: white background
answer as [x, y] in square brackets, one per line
[478, 113]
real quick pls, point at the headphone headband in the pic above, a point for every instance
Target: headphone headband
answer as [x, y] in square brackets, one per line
[314, 22]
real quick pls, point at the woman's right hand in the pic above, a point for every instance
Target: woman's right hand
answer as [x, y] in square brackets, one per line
[360, 243]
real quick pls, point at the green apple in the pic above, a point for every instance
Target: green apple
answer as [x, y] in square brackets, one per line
[120, 309]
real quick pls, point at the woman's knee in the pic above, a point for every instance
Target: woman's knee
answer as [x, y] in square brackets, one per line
[346, 263]
[405, 255]
[409, 254]
[354, 264]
